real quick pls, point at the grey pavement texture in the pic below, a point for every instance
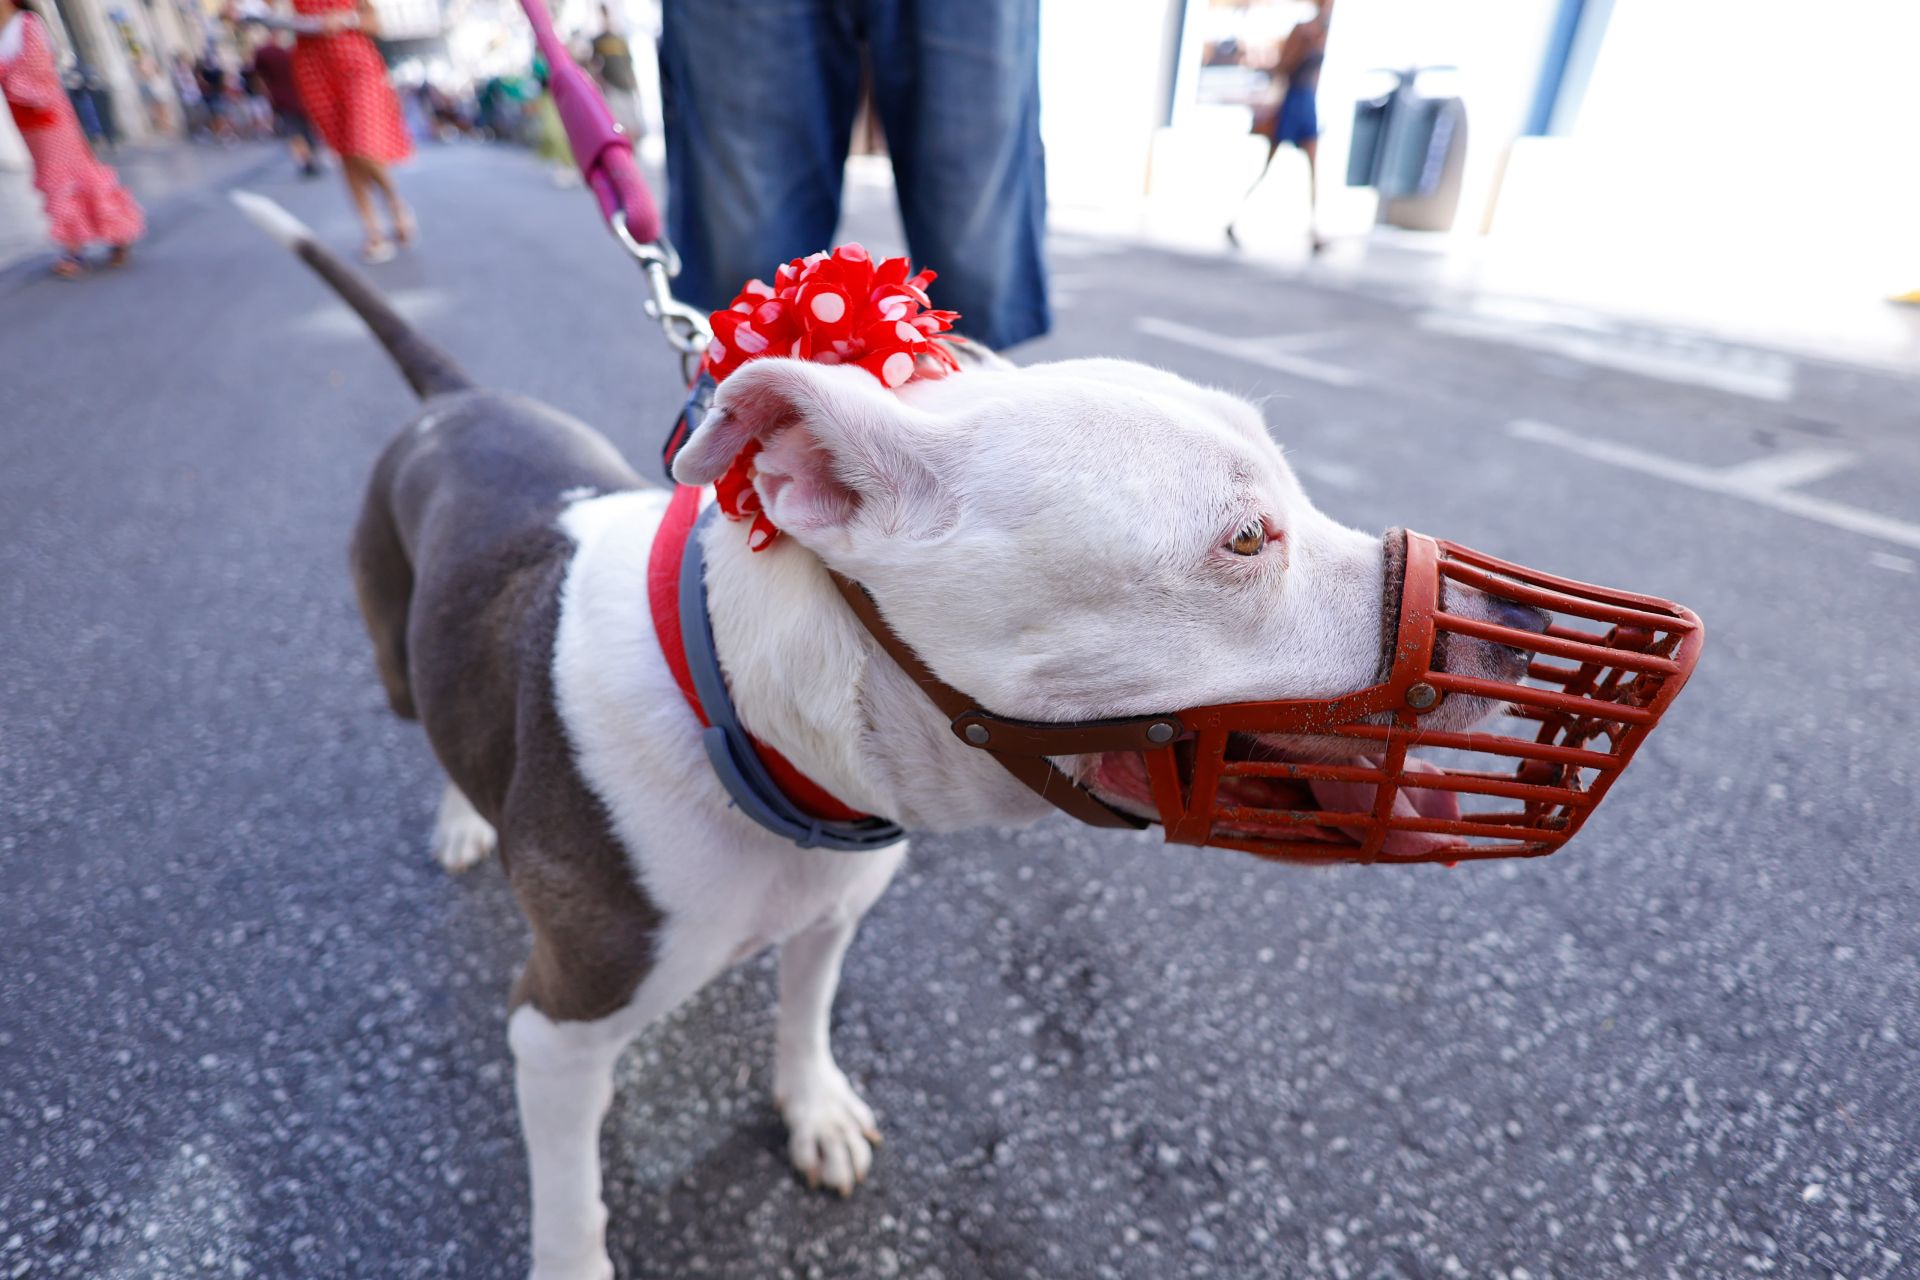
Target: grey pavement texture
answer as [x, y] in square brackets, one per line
[248, 1028]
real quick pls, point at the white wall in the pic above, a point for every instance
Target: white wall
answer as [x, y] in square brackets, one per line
[1763, 124]
[1758, 150]
[1104, 68]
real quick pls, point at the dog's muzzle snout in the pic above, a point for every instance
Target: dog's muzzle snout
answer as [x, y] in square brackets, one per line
[1489, 655]
[1521, 617]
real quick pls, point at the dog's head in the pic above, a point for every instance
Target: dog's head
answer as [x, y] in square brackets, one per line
[1079, 540]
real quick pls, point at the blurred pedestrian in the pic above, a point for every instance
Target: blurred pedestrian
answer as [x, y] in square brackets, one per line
[187, 87]
[273, 70]
[344, 89]
[550, 134]
[447, 117]
[149, 76]
[83, 198]
[760, 101]
[81, 86]
[211, 77]
[612, 65]
[1297, 123]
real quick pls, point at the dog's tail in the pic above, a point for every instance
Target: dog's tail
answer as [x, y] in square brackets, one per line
[427, 369]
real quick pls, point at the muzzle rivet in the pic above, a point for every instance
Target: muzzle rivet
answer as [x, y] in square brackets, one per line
[1160, 734]
[1422, 696]
[977, 734]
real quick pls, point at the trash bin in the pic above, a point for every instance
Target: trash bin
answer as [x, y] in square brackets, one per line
[1413, 153]
[1370, 116]
[1411, 149]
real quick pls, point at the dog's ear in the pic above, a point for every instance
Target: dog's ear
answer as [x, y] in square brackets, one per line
[835, 444]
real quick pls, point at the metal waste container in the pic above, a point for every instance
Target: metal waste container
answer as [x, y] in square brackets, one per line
[1411, 148]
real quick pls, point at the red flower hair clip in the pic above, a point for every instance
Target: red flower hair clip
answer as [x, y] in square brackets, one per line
[832, 308]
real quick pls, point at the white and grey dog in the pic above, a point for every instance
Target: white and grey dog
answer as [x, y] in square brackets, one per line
[1070, 541]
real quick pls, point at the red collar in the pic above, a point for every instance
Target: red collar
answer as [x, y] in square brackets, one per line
[663, 596]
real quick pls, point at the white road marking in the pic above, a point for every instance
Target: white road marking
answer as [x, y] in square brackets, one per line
[1762, 376]
[332, 319]
[1762, 486]
[1272, 352]
[1334, 474]
[1785, 470]
[1887, 560]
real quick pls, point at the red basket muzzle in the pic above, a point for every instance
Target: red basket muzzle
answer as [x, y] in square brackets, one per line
[1527, 695]
[1334, 780]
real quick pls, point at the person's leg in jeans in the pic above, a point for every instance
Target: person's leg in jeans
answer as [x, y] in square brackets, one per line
[957, 87]
[759, 97]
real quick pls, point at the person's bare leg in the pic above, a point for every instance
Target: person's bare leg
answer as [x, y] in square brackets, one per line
[353, 169]
[1273, 149]
[397, 211]
[1311, 150]
[301, 152]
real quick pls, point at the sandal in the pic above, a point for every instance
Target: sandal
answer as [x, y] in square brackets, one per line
[120, 255]
[375, 252]
[70, 267]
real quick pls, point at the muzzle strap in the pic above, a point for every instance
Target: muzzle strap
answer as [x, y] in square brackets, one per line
[1020, 747]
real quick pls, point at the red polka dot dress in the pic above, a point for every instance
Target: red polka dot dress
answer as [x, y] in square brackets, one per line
[84, 199]
[343, 82]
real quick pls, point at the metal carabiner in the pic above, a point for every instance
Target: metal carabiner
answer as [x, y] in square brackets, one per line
[685, 328]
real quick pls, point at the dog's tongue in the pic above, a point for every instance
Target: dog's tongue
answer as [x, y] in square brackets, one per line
[1357, 797]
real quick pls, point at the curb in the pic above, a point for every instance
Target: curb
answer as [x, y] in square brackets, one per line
[162, 217]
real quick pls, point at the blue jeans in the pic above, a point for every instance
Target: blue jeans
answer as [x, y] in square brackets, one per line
[760, 97]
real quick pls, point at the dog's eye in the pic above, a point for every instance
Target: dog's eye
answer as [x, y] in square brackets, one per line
[1250, 541]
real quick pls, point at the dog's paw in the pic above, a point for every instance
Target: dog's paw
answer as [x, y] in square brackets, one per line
[461, 837]
[830, 1131]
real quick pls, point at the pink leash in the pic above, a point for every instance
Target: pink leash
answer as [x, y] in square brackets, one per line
[604, 153]
[600, 147]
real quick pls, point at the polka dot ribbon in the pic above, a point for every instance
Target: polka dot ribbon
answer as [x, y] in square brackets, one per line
[831, 308]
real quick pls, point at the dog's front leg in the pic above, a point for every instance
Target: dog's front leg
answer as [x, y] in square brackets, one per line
[830, 1130]
[563, 1076]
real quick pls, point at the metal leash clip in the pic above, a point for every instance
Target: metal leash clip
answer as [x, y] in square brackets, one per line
[686, 328]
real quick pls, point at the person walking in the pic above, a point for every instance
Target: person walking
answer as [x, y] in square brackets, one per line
[84, 200]
[550, 142]
[1298, 120]
[273, 69]
[211, 77]
[344, 88]
[759, 104]
[612, 65]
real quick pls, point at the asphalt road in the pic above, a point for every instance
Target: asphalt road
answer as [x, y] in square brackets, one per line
[248, 1028]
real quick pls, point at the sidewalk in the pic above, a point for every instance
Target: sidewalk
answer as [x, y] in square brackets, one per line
[1581, 288]
[158, 175]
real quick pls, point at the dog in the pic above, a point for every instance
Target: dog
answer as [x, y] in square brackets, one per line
[1072, 541]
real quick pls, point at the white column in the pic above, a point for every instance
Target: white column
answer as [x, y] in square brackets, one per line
[99, 43]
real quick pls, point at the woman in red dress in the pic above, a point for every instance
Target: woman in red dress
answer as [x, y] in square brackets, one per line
[344, 87]
[84, 199]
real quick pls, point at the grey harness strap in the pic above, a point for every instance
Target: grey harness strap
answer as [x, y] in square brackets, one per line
[730, 751]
